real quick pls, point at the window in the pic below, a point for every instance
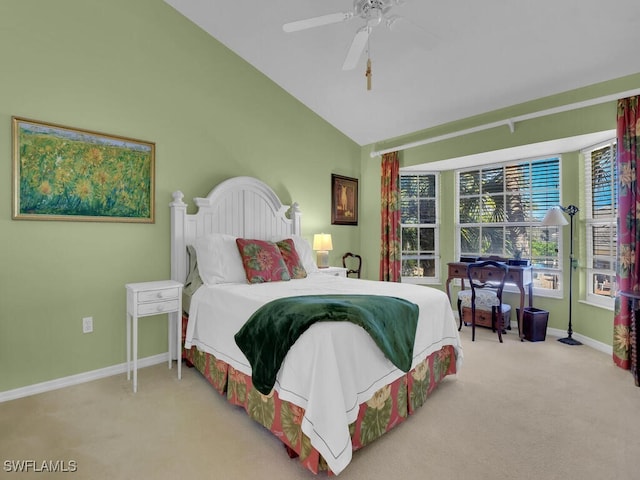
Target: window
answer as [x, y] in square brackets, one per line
[601, 213]
[419, 227]
[499, 213]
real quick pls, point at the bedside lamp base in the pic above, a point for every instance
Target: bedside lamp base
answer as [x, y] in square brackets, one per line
[323, 259]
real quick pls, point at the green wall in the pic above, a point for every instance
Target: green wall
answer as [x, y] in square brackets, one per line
[593, 322]
[141, 70]
[137, 69]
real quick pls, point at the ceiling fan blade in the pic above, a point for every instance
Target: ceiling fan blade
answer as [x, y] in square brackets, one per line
[356, 49]
[420, 37]
[317, 21]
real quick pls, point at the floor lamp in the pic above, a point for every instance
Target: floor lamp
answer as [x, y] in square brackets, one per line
[554, 217]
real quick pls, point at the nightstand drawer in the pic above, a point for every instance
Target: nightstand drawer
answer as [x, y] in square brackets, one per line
[334, 271]
[155, 295]
[158, 307]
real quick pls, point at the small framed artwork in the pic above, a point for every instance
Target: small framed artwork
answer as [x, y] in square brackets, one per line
[344, 200]
[63, 173]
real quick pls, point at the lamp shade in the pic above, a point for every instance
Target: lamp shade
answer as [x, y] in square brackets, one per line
[554, 217]
[322, 242]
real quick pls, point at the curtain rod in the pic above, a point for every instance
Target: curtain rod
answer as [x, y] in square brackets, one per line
[510, 122]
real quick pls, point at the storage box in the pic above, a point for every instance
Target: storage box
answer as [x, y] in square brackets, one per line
[483, 318]
[534, 324]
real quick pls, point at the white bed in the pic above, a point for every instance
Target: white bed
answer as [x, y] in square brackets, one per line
[334, 368]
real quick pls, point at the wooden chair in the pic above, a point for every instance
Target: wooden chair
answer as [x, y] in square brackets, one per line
[355, 261]
[487, 283]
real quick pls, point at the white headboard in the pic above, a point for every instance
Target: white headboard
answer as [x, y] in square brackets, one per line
[241, 206]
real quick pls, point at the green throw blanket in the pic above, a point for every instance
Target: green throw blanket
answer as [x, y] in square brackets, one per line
[267, 336]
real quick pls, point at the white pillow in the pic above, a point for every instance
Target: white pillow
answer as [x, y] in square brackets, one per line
[219, 260]
[305, 252]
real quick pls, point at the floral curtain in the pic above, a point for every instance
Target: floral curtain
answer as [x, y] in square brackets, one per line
[390, 217]
[628, 271]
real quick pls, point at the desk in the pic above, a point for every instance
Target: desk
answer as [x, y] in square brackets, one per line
[520, 276]
[634, 303]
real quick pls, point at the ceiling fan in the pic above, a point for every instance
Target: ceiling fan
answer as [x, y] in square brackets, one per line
[374, 12]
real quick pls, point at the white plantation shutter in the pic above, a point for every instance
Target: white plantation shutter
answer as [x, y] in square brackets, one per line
[500, 208]
[601, 221]
[420, 227]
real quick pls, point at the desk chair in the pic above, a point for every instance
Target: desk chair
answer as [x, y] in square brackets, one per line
[355, 261]
[485, 294]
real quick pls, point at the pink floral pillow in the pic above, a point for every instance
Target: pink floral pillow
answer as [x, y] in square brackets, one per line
[291, 258]
[262, 261]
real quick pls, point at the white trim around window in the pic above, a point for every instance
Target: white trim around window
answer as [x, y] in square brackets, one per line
[420, 227]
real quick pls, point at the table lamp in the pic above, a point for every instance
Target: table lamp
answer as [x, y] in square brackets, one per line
[322, 244]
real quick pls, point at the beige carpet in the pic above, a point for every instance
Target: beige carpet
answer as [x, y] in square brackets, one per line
[515, 411]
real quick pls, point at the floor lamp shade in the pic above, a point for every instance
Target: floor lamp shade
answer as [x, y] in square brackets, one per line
[322, 243]
[555, 217]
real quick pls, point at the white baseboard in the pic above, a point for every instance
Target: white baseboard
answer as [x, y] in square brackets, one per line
[163, 357]
[79, 378]
[590, 342]
[556, 332]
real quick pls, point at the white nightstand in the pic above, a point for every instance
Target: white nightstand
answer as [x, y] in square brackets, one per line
[335, 271]
[152, 298]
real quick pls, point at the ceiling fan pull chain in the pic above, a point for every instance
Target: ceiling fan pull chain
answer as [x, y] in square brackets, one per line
[368, 72]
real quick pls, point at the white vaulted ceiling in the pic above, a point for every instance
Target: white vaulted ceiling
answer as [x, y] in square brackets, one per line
[443, 61]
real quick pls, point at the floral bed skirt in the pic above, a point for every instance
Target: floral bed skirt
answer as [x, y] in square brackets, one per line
[389, 406]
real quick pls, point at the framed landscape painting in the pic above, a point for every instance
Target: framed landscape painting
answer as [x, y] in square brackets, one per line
[63, 173]
[344, 200]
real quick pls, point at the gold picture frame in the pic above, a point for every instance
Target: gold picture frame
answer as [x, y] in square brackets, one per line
[72, 174]
[344, 200]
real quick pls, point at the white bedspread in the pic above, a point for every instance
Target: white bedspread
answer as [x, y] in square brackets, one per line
[334, 366]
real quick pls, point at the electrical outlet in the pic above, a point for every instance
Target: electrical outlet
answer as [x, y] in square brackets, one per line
[87, 325]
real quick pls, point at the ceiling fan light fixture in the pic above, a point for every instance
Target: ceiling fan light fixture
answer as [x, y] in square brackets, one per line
[373, 14]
